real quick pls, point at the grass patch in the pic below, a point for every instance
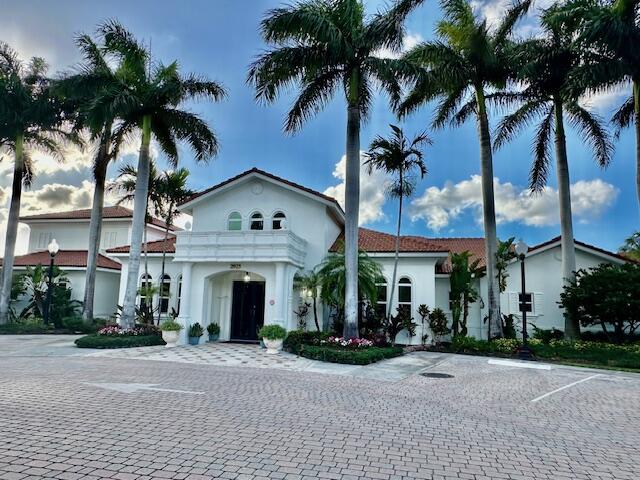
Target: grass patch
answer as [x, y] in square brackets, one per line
[351, 356]
[123, 341]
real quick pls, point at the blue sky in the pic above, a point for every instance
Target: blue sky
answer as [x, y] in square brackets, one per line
[219, 38]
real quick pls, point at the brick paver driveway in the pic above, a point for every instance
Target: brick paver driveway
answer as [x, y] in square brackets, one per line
[92, 417]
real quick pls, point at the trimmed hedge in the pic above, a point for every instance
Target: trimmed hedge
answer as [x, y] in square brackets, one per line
[297, 338]
[350, 356]
[122, 341]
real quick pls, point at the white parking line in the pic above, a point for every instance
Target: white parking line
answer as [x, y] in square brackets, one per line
[565, 387]
[511, 363]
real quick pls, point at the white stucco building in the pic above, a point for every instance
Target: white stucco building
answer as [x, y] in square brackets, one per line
[250, 235]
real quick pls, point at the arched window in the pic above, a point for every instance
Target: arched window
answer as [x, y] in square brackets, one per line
[234, 222]
[165, 293]
[404, 294]
[146, 284]
[279, 221]
[381, 302]
[257, 221]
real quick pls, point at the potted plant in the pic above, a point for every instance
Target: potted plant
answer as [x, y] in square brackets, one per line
[170, 331]
[195, 332]
[273, 336]
[214, 331]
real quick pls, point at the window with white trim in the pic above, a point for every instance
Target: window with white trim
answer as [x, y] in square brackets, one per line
[381, 302]
[257, 221]
[146, 283]
[279, 221]
[165, 293]
[44, 238]
[532, 303]
[234, 221]
[404, 294]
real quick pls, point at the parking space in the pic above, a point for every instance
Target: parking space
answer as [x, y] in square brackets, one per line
[94, 417]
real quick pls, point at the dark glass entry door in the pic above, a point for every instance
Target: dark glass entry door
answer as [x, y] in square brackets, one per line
[247, 310]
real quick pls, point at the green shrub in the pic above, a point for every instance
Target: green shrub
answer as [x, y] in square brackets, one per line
[27, 326]
[77, 324]
[349, 356]
[297, 338]
[272, 332]
[170, 326]
[196, 330]
[124, 341]
[546, 336]
[213, 329]
[503, 346]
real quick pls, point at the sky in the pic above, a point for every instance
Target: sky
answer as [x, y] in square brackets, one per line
[220, 38]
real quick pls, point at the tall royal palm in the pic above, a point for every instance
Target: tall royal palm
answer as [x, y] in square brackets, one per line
[611, 28]
[151, 105]
[402, 159]
[31, 118]
[323, 46]
[547, 66]
[81, 88]
[468, 59]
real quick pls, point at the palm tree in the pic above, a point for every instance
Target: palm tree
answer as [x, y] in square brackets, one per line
[172, 191]
[151, 105]
[546, 66]
[323, 46]
[610, 31]
[468, 59]
[400, 157]
[631, 247]
[333, 278]
[31, 118]
[81, 88]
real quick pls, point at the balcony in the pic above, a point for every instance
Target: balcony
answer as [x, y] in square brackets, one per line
[237, 247]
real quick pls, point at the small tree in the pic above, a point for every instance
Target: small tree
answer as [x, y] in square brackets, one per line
[504, 254]
[424, 312]
[631, 247]
[606, 295]
[438, 324]
[301, 314]
[463, 292]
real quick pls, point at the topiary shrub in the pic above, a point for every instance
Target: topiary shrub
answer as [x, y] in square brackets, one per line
[118, 341]
[296, 339]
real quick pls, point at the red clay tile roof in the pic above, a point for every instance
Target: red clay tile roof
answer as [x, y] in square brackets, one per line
[474, 245]
[108, 212]
[269, 175]
[64, 258]
[152, 247]
[379, 242]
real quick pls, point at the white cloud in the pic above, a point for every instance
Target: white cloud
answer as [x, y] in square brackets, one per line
[438, 207]
[372, 189]
[409, 41]
[603, 102]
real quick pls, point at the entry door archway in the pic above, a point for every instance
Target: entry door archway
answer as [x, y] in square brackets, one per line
[247, 311]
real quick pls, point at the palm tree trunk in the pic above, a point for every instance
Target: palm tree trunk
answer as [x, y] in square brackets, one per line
[636, 109]
[138, 227]
[164, 258]
[397, 257]
[95, 225]
[571, 327]
[352, 205]
[489, 216]
[12, 230]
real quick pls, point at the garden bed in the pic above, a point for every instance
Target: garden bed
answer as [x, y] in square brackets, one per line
[350, 356]
[121, 341]
[579, 353]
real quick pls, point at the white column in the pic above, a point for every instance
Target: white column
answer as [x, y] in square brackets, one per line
[185, 301]
[280, 299]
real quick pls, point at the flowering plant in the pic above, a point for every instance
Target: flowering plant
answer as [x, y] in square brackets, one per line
[118, 331]
[348, 342]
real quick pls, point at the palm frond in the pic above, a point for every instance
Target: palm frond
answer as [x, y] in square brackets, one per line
[447, 107]
[312, 99]
[592, 129]
[512, 125]
[541, 155]
[518, 10]
[190, 128]
[386, 29]
[623, 117]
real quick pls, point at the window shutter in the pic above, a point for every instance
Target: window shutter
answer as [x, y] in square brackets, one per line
[537, 304]
[513, 303]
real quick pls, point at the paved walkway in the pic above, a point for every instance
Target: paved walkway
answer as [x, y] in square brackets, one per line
[239, 355]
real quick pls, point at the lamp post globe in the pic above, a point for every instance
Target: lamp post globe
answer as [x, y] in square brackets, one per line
[53, 249]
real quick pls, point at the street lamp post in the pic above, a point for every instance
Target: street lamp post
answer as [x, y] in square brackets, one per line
[521, 251]
[53, 248]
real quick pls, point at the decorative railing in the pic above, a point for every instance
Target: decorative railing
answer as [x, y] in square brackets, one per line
[244, 246]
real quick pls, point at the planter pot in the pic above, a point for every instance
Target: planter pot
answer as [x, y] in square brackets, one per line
[194, 340]
[171, 337]
[262, 345]
[214, 337]
[273, 345]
